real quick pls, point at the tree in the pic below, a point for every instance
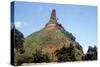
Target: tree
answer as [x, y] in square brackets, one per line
[65, 54]
[18, 39]
[69, 35]
[78, 46]
[21, 58]
[91, 53]
[39, 57]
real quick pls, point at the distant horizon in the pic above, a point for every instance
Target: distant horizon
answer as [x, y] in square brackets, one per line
[79, 20]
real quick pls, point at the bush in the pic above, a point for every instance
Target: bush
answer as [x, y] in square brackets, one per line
[39, 57]
[21, 58]
[65, 54]
[69, 35]
[91, 53]
[18, 39]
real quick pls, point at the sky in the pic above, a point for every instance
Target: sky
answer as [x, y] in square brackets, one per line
[80, 20]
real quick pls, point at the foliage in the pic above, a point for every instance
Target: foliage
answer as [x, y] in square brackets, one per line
[22, 58]
[91, 53]
[18, 57]
[78, 46]
[18, 39]
[17, 45]
[50, 37]
[39, 57]
[66, 54]
[69, 35]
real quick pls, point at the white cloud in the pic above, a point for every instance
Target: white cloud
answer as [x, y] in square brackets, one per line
[19, 24]
[25, 23]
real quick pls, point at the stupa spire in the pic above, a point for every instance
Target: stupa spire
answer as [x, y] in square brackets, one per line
[53, 14]
[52, 24]
[53, 17]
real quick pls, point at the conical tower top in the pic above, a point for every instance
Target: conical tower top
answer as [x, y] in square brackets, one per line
[52, 24]
[53, 14]
[53, 17]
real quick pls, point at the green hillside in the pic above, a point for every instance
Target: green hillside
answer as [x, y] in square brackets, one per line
[52, 38]
[51, 44]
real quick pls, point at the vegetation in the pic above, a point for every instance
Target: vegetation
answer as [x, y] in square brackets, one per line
[66, 48]
[42, 38]
[18, 39]
[17, 45]
[51, 44]
[65, 54]
[69, 35]
[91, 53]
[21, 58]
[36, 57]
[40, 57]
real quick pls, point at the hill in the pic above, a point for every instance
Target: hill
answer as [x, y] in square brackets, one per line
[51, 38]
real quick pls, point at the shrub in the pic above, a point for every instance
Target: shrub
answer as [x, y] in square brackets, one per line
[91, 53]
[21, 58]
[39, 57]
[65, 54]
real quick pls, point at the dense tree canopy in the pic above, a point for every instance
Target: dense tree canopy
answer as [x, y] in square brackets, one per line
[40, 57]
[16, 45]
[18, 39]
[91, 53]
[66, 54]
